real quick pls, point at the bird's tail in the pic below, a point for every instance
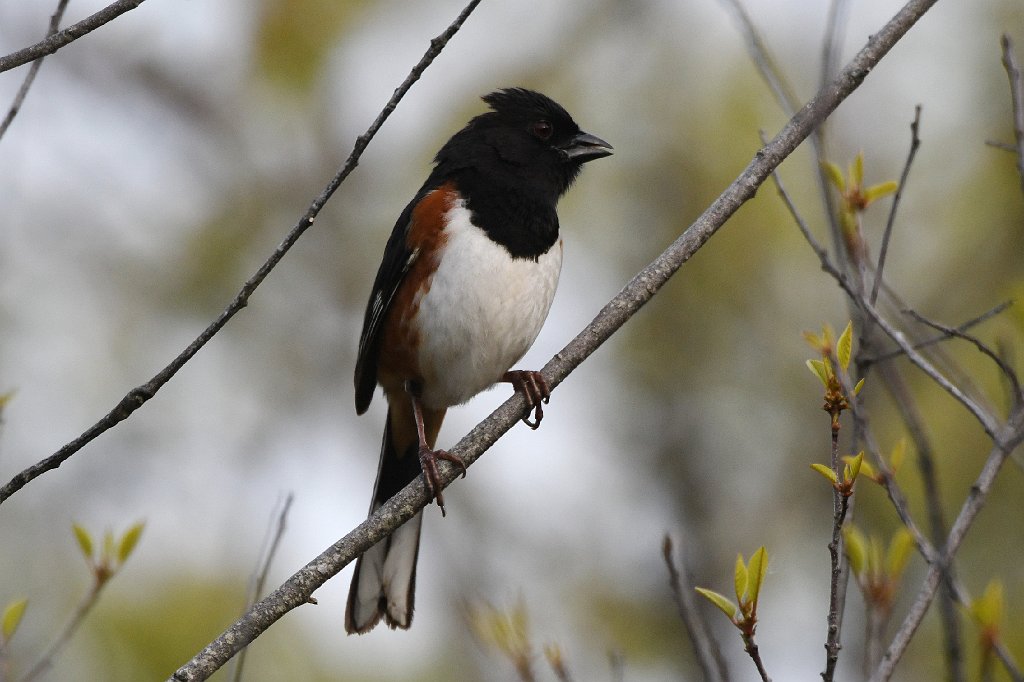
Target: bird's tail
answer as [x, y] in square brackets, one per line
[384, 582]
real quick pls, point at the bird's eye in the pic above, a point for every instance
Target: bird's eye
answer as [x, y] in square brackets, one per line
[542, 129]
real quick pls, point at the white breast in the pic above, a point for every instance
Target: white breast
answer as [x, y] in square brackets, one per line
[481, 313]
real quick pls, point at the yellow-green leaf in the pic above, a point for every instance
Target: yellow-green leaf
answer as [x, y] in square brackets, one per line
[834, 175]
[856, 548]
[852, 469]
[866, 468]
[813, 340]
[876, 192]
[740, 579]
[875, 565]
[128, 542]
[898, 453]
[988, 608]
[12, 618]
[844, 346]
[826, 471]
[860, 385]
[722, 602]
[900, 549]
[84, 540]
[108, 553]
[857, 170]
[817, 368]
[756, 570]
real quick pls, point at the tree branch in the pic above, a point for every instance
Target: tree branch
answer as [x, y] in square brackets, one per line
[1003, 366]
[973, 322]
[399, 509]
[58, 40]
[1017, 100]
[259, 578]
[19, 98]
[1008, 438]
[139, 395]
[709, 655]
[915, 142]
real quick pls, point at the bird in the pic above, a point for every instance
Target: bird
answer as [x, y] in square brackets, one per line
[465, 283]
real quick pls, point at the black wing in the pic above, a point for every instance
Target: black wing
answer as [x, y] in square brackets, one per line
[397, 260]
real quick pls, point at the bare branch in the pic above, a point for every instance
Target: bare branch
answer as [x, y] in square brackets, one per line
[259, 578]
[30, 77]
[1017, 99]
[758, 51]
[58, 40]
[45, 662]
[1007, 371]
[973, 322]
[915, 142]
[297, 589]
[1008, 662]
[139, 395]
[709, 654]
[830, 55]
[1008, 438]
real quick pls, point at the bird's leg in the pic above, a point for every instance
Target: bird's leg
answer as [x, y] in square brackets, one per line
[428, 456]
[534, 388]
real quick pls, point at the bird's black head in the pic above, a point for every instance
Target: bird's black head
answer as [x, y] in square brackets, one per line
[527, 140]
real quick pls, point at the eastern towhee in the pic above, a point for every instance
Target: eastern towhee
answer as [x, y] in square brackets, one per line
[466, 281]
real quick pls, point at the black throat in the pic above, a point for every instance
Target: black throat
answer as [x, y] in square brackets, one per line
[524, 222]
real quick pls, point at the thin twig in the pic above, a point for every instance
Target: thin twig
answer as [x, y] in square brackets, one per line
[750, 646]
[19, 98]
[408, 501]
[259, 578]
[915, 424]
[709, 654]
[1017, 99]
[1008, 661]
[973, 322]
[835, 551]
[896, 495]
[83, 609]
[896, 385]
[987, 421]
[1007, 371]
[58, 40]
[1008, 438]
[831, 46]
[762, 58]
[139, 395]
[830, 50]
[915, 142]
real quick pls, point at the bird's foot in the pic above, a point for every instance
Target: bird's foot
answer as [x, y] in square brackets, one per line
[431, 476]
[534, 388]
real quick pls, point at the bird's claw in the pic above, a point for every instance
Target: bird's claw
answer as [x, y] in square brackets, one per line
[431, 476]
[535, 390]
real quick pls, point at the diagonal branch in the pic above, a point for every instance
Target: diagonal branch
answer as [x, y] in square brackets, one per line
[1017, 100]
[969, 324]
[54, 42]
[139, 395]
[709, 655]
[299, 588]
[915, 143]
[1003, 366]
[19, 98]
[1008, 438]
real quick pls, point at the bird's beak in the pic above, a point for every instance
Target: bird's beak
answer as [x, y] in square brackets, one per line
[585, 147]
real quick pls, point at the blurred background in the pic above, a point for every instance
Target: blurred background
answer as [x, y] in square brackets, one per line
[157, 162]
